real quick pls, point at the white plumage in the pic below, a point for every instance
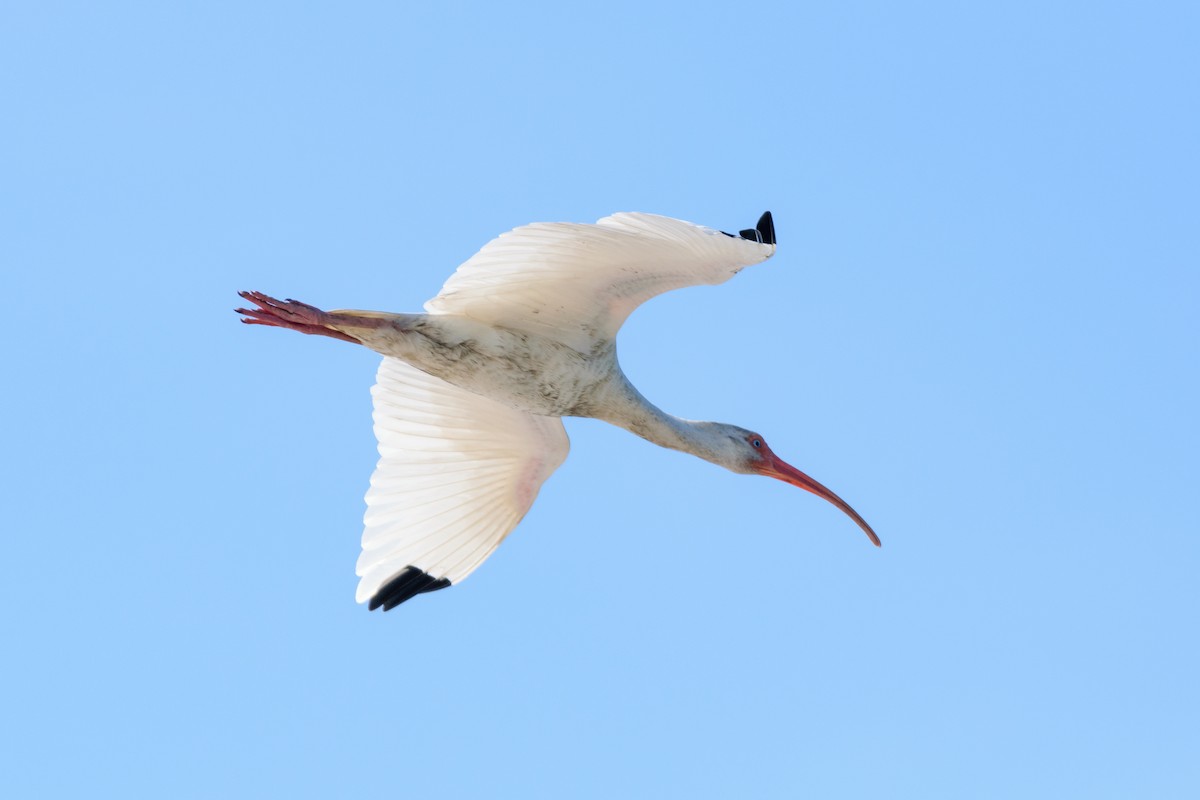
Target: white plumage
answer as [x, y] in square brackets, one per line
[469, 397]
[456, 473]
[577, 283]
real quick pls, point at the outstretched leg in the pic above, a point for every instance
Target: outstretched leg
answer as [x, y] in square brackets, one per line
[296, 316]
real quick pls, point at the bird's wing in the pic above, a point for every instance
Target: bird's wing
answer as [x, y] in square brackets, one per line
[456, 473]
[577, 283]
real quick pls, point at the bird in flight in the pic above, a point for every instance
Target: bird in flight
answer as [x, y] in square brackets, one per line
[469, 399]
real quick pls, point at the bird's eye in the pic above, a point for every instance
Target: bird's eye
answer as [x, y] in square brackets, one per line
[756, 442]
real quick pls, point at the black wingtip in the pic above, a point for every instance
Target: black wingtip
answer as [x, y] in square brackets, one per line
[763, 232]
[766, 226]
[405, 585]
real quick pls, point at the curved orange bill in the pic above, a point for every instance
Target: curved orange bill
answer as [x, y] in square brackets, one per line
[779, 469]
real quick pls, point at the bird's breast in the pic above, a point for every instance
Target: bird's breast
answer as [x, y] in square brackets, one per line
[522, 370]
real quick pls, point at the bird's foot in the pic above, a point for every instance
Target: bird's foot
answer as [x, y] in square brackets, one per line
[290, 314]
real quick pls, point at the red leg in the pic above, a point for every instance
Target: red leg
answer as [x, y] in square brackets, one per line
[290, 314]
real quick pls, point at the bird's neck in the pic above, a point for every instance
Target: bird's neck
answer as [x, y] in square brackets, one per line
[626, 407]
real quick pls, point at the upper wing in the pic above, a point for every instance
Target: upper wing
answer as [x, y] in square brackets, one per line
[456, 473]
[577, 283]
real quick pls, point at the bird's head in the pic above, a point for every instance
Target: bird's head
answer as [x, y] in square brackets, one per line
[747, 452]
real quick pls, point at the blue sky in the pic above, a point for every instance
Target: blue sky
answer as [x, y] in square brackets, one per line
[981, 329]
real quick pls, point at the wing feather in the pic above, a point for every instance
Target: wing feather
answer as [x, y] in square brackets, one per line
[456, 473]
[578, 283]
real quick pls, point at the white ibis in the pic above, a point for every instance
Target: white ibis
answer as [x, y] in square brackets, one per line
[470, 395]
